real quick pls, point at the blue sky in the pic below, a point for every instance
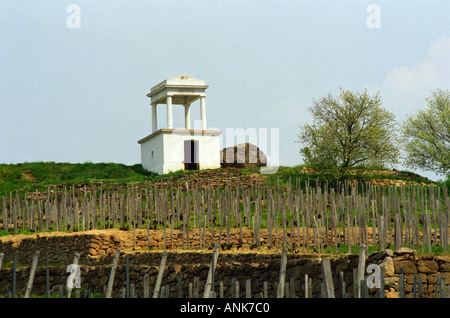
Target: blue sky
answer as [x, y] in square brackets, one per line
[79, 94]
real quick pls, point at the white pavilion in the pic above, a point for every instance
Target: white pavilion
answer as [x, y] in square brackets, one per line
[168, 149]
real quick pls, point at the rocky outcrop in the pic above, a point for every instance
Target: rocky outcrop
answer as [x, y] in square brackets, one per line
[245, 155]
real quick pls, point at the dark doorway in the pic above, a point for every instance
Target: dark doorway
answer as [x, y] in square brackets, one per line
[191, 155]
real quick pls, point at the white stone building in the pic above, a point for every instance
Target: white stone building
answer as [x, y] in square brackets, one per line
[168, 149]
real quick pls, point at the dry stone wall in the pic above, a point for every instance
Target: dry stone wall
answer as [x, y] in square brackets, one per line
[184, 266]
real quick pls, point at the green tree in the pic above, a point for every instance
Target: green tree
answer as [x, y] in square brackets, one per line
[348, 130]
[426, 135]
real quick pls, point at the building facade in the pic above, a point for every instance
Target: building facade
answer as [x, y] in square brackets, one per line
[168, 149]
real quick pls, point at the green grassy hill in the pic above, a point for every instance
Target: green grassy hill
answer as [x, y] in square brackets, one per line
[34, 175]
[31, 176]
[357, 173]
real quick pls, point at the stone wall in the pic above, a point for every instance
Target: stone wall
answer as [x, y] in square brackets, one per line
[98, 246]
[425, 266]
[60, 249]
[97, 252]
[404, 181]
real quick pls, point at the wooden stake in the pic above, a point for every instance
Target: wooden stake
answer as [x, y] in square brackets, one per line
[209, 287]
[32, 273]
[282, 277]
[113, 272]
[327, 279]
[162, 266]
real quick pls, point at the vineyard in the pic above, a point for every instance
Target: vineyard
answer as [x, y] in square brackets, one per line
[301, 229]
[292, 215]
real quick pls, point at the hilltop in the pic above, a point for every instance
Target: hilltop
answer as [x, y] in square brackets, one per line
[32, 176]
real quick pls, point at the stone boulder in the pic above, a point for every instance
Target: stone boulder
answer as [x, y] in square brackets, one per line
[245, 155]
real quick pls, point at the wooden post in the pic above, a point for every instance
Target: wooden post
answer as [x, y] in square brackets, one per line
[381, 289]
[209, 287]
[127, 276]
[349, 236]
[265, 290]
[381, 234]
[32, 273]
[15, 218]
[442, 287]
[14, 278]
[5, 216]
[436, 287]
[361, 269]
[132, 291]
[401, 284]
[47, 277]
[221, 295]
[248, 288]
[364, 290]
[113, 272]
[427, 233]
[322, 289]
[342, 283]
[148, 231]
[146, 285]
[292, 287]
[419, 287]
[398, 232]
[307, 291]
[287, 292]
[196, 287]
[327, 278]
[162, 266]
[282, 277]
[233, 287]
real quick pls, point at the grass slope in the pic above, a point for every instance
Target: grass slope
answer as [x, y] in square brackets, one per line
[38, 174]
[30, 176]
[284, 174]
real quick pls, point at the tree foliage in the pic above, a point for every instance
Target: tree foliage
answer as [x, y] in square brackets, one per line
[426, 135]
[351, 129]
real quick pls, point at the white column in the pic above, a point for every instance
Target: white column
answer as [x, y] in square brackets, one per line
[169, 113]
[203, 112]
[154, 118]
[187, 116]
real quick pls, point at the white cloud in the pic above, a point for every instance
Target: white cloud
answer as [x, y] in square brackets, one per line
[406, 87]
